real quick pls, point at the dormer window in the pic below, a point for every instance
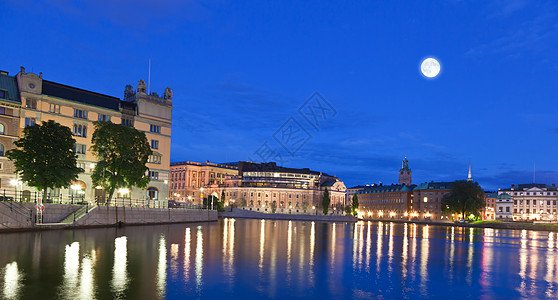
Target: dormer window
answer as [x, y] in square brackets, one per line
[3, 94]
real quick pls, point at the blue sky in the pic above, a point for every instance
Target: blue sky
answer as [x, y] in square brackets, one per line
[240, 70]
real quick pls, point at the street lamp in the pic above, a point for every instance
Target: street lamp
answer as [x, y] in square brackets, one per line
[15, 183]
[201, 196]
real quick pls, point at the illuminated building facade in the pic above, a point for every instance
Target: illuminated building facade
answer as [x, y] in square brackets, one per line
[43, 100]
[10, 104]
[427, 200]
[188, 178]
[504, 206]
[386, 201]
[533, 201]
[489, 212]
[260, 186]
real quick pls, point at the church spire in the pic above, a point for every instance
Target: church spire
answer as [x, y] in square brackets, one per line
[405, 173]
[469, 177]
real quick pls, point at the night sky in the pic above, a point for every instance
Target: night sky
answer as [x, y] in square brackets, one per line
[242, 71]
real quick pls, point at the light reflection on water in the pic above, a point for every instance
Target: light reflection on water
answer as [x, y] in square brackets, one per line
[278, 259]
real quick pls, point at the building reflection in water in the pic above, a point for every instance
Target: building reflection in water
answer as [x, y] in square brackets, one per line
[368, 245]
[332, 252]
[379, 248]
[262, 245]
[470, 251]
[289, 250]
[12, 281]
[424, 253]
[119, 272]
[404, 252]
[390, 249]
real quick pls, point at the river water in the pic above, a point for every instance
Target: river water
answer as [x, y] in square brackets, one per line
[249, 259]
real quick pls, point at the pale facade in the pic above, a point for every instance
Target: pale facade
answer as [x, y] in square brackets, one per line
[503, 207]
[533, 201]
[43, 100]
[188, 179]
[259, 186]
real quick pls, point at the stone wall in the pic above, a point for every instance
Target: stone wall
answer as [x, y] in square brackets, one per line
[241, 213]
[109, 215]
[54, 213]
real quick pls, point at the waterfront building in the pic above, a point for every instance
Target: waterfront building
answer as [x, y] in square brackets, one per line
[76, 108]
[504, 204]
[260, 186]
[489, 212]
[427, 200]
[188, 179]
[533, 201]
[9, 130]
[386, 201]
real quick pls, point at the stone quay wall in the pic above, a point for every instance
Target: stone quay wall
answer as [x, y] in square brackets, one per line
[241, 213]
[110, 215]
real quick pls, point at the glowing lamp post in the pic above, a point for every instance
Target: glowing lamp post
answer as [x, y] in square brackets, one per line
[15, 183]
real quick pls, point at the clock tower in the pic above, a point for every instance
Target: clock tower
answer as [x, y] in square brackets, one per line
[405, 173]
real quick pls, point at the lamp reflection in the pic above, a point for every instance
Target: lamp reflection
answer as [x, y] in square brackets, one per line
[424, 253]
[289, 248]
[87, 286]
[404, 254]
[262, 244]
[368, 246]
[12, 281]
[187, 245]
[379, 247]
[71, 270]
[119, 273]
[199, 258]
[162, 267]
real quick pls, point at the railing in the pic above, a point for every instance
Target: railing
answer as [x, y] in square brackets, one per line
[20, 209]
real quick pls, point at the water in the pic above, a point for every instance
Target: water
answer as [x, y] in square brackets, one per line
[252, 259]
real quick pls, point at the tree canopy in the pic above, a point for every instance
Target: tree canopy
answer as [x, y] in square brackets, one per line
[466, 197]
[355, 204]
[122, 154]
[325, 201]
[45, 157]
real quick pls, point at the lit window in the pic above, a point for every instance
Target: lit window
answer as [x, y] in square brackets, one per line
[127, 122]
[31, 103]
[54, 108]
[153, 175]
[154, 144]
[425, 199]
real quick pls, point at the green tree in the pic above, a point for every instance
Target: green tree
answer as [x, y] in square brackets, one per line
[348, 209]
[45, 157]
[354, 204]
[122, 152]
[273, 206]
[222, 204]
[466, 197]
[325, 201]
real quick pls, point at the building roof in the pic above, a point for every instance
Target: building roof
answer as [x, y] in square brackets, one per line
[386, 189]
[248, 166]
[522, 187]
[434, 186]
[358, 187]
[9, 84]
[504, 196]
[79, 95]
[207, 163]
[491, 194]
[329, 183]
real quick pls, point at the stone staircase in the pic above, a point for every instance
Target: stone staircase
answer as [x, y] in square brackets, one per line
[78, 214]
[15, 215]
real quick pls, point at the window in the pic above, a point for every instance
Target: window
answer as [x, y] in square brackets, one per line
[3, 94]
[80, 148]
[29, 122]
[507, 209]
[154, 144]
[31, 103]
[127, 122]
[152, 193]
[54, 108]
[154, 175]
[78, 113]
[104, 118]
[1, 150]
[80, 130]
[1, 128]
[154, 159]
[155, 128]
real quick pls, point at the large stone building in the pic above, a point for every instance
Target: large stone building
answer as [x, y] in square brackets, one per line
[260, 186]
[533, 201]
[386, 201]
[188, 179]
[427, 200]
[42, 100]
[10, 104]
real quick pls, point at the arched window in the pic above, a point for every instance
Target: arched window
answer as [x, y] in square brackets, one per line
[152, 193]
[2, 131]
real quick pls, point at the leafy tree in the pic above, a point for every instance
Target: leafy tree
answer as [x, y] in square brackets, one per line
[354, 204]
[45, 157]
[223, 197]
[122, 153]
[325, 201]
[348, 209]
[273, 206]
[466, 197]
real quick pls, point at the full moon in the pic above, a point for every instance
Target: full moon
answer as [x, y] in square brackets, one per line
[430, 67]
